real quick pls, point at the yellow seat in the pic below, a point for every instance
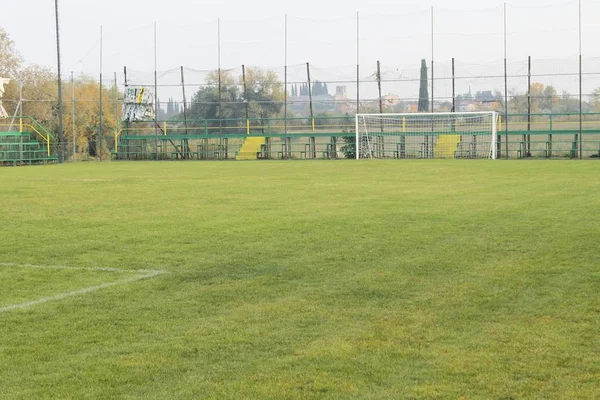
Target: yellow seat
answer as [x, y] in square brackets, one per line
[446, 145]
[250, 148]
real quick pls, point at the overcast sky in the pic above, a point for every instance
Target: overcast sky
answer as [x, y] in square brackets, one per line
[398, 33]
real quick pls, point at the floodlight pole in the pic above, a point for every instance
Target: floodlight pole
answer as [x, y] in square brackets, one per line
[61, 138]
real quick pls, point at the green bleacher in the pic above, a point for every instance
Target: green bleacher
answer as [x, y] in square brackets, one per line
[21, 148]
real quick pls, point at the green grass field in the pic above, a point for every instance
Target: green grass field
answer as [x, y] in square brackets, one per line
[424, 279]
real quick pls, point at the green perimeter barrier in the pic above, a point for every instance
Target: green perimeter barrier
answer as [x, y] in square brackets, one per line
[529, 136]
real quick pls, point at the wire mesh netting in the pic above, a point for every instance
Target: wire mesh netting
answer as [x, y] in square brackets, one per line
[298, 74]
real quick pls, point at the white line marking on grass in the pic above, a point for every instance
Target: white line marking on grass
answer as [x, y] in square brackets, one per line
[142, 274]
[104, 269]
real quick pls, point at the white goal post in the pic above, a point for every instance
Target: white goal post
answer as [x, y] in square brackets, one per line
[469, 135]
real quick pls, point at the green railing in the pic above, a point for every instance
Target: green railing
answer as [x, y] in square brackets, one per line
[27, 141]
[541, 135]
[243, 127]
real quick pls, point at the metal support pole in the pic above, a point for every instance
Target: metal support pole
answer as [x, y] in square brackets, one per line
[580, 89]
[116, 107]
[357, 63]
[378, 76]
[310, 99]
[20, 107]
[125, 83]
[432, 69]
[528, 145]
[100, 132]
[184, 102]
[156, 105]
[73, 115]
[505, 89]
[379, 146]
[453, 87]
[285, 96]
[219, 114]
[246, 101]
[61, 138]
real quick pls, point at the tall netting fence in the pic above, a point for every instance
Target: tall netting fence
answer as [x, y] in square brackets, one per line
[298, 75]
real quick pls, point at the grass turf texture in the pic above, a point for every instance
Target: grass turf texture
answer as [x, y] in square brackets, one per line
[24, 284]
[425, 279]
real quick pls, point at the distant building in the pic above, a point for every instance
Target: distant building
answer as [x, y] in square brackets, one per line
[341, 92]
[390, 100]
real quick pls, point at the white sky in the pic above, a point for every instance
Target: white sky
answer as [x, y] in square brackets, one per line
[321, 32]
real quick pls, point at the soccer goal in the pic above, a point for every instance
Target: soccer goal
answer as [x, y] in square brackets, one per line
[427, 135]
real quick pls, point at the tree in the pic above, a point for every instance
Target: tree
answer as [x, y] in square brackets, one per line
[349, 147]
[40, 92]
[550, 99]
[537, 93]
[10, 58]
[319, 89]
[265, 93]
[39, 88]
[265, 97]
[304, 89]
[595, 103]
[423, 89]
[542, 99]
[170, 111]
[87, 118]
[205, 102]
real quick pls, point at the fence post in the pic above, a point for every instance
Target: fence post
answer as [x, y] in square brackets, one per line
[528, 146]
[246, 99]
[310, 100]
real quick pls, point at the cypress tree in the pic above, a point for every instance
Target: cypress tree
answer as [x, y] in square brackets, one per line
[170, 107]
[316, 89]
[423, 89]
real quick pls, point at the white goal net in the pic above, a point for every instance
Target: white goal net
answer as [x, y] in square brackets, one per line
[427, 135]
